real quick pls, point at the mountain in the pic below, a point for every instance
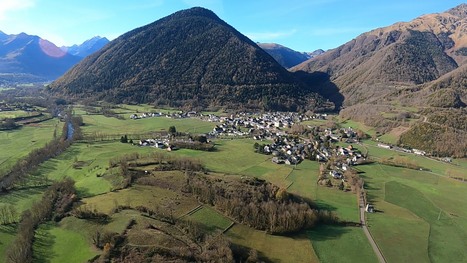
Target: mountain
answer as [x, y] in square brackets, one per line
[406, 54]
[189, 59]
[87, 47]
[314, 53]
[286, 56]
[29, 57]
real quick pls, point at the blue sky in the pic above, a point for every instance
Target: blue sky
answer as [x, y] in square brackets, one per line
[303, 25]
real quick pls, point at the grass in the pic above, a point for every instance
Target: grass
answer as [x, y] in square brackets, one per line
[339, 244]
[140, 195]
[237, 157]
[210, 218]
[358, 125]
[457, 169]
[96, 158]
[22, 199]
[57, 243]
[15, 114]
[18, 143]
[276, 248]
[409, 204]
[99, 124]
[7, 235]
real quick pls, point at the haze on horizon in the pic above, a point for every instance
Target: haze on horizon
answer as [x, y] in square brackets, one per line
[300, 25]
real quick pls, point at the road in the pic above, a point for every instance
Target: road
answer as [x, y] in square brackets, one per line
[367, 232]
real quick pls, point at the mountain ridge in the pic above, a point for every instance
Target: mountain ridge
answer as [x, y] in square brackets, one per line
[287, 57]
[191, 58]
[401, 55]
[87, 47]
[33, 56]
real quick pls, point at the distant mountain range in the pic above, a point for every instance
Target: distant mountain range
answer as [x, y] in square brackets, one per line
[28, 58]
[189, 59]
[87, 47]
[286, 56]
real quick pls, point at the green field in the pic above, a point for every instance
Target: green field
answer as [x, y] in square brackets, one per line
[429, 211]
[57, 243]
[7, 235]
[95, 157]
[18, 143]
[99, 124]
[339, 244]
[210, 218]
[15, 114]
[276, 248]
[455, 169]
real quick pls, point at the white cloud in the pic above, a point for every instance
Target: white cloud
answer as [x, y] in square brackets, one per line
[266, 36]
[7, 6]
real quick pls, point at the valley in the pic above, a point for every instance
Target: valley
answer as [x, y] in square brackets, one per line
[184, 140]
[433, 209]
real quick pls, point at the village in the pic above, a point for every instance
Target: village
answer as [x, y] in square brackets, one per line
[279, 134]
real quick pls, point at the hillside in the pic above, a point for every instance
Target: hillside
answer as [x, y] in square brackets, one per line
[191, 59]
[404, 54]
[31, 58]
[287, 57]
[87, 47]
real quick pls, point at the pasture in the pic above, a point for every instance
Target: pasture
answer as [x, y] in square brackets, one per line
[280, 249]
[341, 244]
[18, 143]
[99, 124]
[92, 176]
[424, 213]
[212, 220]
[58, 243]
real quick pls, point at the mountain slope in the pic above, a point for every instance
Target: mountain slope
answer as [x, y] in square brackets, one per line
[404, 54]
[286, 56]
[192, 59]
[33, 56]
[87, 47]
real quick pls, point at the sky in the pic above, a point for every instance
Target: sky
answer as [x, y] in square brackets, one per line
[303, 25]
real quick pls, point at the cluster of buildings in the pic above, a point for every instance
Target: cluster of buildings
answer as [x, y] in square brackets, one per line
[400, 149]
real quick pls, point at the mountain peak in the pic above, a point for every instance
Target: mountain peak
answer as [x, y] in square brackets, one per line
[459, 11]
[196, 11]
[192, 59]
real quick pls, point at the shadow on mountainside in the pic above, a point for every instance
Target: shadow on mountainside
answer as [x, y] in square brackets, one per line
[321, 83]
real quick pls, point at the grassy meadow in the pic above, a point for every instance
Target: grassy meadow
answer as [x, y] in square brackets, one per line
[18, 143]
[99, 124]
[428, 209]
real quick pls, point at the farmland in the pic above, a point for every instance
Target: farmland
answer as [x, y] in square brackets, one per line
[21, 141]
[426, 206]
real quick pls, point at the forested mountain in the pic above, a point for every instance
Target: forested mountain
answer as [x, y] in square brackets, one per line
[287, 57]
[191, 59]
[32, 58]
[405, 54]
[87, 47]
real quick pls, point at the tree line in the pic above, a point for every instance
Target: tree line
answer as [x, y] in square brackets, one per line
[54, 205]
[21, 169]
[259, 204]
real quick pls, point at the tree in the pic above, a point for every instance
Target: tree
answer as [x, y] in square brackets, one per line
[172, 130]
[124, 139]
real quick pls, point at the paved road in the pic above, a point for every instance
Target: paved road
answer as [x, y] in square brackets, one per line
[367, 233]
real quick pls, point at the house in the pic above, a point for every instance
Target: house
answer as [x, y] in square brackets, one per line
[336, 175]
[385, 146]
[418, 152]
[370, 208]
